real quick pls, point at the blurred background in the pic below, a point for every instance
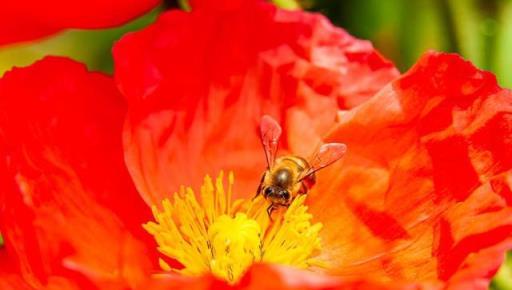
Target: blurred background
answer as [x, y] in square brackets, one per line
[480, 30]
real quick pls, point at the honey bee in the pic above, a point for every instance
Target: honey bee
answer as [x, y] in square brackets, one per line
[288, 176]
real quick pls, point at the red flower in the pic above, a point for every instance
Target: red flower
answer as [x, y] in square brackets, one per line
[422, 199]
[26, 20]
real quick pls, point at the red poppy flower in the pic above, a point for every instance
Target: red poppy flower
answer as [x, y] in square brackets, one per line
[421, 200]
[26, 20]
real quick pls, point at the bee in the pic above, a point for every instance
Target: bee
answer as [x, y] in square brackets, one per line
[289, 175]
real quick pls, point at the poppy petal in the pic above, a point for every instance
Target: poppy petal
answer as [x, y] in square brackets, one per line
[197, 84]
[422, 194]
[264, 276]
[21, 21]
[14, 282]
[67, 198]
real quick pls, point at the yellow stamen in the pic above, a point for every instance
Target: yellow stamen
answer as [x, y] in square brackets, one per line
[225, 238]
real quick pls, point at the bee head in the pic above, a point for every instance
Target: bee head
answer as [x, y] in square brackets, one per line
[277, 195]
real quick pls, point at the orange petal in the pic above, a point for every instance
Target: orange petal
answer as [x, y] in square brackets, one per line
[424, 191]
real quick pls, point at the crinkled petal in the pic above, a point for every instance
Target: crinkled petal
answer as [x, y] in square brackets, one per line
[197, 84]
[69, 211]
[424, 192]
[26, 20]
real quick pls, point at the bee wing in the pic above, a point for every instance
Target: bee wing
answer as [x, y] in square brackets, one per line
[325, 156]
[270, 133]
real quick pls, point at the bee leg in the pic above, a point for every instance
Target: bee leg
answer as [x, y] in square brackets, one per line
[270, 209]
[260, 187]
[257, 192]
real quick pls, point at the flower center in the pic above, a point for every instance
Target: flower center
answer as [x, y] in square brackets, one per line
[223, 237]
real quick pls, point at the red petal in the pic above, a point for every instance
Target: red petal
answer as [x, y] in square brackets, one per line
[262, 276]
[197, 84]
[68, 206]
[26, 20]
[424, 191]
[282, 277]
[10, 277]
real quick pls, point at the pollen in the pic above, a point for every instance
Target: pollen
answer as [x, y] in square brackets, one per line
[213, 234]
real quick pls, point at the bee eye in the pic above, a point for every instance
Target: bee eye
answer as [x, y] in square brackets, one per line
[268, 191]
[285, 194]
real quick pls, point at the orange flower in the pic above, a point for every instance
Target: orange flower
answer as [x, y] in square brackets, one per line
[421, 200]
